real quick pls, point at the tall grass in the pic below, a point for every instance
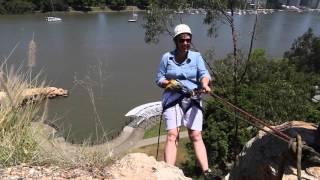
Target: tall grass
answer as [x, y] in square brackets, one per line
[32, 49]
[17, 142]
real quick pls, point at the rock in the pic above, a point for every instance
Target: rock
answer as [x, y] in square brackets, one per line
[262, 156]
[49, 92]
[139, 166]
[34, 94]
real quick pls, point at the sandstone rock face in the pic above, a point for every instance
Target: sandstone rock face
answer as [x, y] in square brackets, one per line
[36, 94]
[49, 92]
[262, 156]
[139, 166]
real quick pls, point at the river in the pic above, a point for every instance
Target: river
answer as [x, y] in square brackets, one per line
[103, 60]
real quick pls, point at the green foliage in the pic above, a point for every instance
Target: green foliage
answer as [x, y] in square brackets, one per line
[57, 5]
[142, 4]
[273, 4]
[17, 7]
[154, 131]
[162, 18]
[154, 25]
[2, 9]
[305, 53]
[27, 6]
[60, 5]
[117, 4]
[277, 92]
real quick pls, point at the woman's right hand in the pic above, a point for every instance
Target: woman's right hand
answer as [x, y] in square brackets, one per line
[165, 83]
[173, 85]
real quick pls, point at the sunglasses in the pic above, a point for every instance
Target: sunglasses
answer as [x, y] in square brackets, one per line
[184, 40]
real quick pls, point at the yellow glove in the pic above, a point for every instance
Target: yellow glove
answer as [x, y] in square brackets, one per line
[173, 85]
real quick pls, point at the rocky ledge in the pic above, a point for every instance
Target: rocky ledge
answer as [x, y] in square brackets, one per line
[37, 93]
[136, 166]
[49, 92]
[265, 156]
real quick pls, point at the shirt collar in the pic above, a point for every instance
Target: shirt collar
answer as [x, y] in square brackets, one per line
[174, 52]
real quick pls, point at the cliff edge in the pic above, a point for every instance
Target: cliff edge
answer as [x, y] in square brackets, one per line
[136, 166]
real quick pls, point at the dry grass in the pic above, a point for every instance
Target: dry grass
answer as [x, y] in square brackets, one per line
[32, 49]
[64, 154]
[17, 143]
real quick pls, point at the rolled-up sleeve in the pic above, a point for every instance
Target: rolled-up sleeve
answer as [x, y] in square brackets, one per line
[162, 70]
[202, 70]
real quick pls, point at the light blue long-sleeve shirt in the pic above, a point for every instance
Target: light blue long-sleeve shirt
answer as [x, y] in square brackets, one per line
[189, 73]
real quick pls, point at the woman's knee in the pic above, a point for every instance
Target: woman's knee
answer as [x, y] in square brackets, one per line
[195, 135]
[173, 135]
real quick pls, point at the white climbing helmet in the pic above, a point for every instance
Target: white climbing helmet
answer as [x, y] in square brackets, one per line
[181, 28]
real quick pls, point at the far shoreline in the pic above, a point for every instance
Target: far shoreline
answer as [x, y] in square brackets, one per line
[94, 10]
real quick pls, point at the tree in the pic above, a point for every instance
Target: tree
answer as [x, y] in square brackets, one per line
[2, 9]
[80, 5]
[18, 6]
[305, 52]
[117, 4]
[54, 5]
[142, 4]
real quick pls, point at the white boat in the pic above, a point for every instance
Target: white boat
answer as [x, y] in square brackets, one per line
[316, 97]
[134, 17]
[52, 18]
[239, 12]
[179, 12]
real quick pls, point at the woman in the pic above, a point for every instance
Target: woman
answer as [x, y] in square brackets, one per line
[180, 72]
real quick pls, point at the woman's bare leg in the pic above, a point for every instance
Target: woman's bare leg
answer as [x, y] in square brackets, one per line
[199, 148]
[171, 147]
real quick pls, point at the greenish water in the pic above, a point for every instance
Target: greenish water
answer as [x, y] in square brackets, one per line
[103, 60]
